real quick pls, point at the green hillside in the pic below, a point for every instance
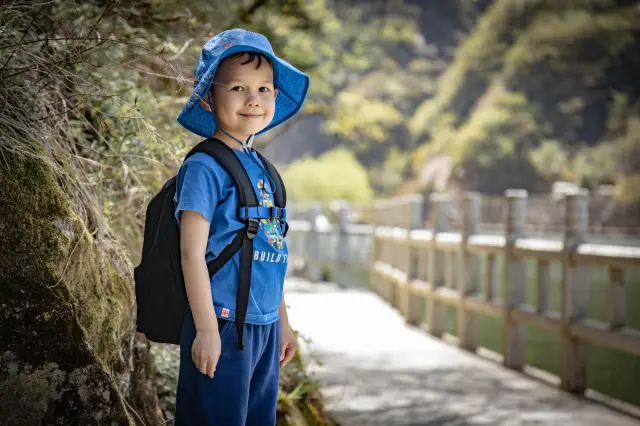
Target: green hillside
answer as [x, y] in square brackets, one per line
[540, 91]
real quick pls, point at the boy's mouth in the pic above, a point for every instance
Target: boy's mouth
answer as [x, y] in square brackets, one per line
[251, 115]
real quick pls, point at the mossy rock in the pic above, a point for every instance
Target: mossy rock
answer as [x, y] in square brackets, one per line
[69, 354]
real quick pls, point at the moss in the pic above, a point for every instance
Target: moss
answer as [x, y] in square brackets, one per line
[107, 298]
[66, 310]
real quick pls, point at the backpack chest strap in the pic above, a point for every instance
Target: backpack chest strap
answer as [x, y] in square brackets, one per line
[262, 213]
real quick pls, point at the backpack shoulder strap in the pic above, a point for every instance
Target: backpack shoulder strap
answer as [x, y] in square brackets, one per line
[280, 195]
[230, 162]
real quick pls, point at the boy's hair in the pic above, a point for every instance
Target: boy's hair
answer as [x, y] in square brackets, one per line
[252, 57]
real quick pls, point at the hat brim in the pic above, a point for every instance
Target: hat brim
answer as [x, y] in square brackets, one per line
[292, 86]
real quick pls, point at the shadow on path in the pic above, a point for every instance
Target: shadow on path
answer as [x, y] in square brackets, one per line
[362, 394]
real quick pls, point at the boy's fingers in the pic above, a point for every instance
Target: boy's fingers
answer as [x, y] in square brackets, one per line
[211, 367]
[203, 366]
[289, 352]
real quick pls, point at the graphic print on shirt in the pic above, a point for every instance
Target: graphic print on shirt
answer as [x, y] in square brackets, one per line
[271, 226]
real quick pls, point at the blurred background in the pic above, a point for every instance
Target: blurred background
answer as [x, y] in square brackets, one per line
[406, 97]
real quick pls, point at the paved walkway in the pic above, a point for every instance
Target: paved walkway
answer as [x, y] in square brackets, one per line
[377, 371]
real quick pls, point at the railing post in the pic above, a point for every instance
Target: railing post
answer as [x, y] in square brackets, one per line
[469, 273]
[379, 251]
[575, 292]
[314, 267]
[617, 298]
[393, 216]
[411, 300]
[515, 275]
[376, 252]
[343, 247]
[435, 271]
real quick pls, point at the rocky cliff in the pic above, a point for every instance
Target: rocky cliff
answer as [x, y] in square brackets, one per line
[69, 351]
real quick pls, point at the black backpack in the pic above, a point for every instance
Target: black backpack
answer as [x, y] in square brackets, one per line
[159, 283]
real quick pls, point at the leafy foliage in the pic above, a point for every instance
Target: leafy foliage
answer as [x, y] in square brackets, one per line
[335, 175]
[550, 160]
[373, 69]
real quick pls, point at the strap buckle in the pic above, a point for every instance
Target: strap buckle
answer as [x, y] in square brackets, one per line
[253, 225]
[278, 212]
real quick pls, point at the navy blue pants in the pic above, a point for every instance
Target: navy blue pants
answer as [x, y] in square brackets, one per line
[244, 388]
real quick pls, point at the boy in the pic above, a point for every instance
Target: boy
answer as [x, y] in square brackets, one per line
[241, 89]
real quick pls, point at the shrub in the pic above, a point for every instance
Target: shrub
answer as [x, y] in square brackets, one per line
[334, 175]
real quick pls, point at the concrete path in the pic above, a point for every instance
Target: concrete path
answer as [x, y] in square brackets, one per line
[378, 371]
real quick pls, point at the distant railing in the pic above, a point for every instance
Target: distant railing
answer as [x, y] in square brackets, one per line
[410, 266]
[545, 214]
[320, 246]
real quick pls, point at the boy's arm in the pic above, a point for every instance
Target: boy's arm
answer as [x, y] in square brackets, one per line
[288, 341]
[284, 318]
[193, 245]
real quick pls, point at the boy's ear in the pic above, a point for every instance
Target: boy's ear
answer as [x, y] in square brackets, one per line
[275, 93]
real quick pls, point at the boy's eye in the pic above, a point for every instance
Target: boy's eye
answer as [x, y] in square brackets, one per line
[263, 89]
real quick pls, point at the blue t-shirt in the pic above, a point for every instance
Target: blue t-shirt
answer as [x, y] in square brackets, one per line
[205, 187]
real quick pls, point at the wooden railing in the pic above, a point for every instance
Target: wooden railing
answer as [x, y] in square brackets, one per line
[546, 214]
[410, 264]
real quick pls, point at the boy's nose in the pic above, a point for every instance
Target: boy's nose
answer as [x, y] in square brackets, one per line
[252, 100]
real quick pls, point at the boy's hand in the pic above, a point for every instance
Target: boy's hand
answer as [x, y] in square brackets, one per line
[287, 344]
[205, 351]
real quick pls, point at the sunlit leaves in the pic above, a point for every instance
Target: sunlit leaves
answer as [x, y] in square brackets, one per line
[334, 175]
[550, 160]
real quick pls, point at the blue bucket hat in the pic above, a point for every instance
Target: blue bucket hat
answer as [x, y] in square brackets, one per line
[292, 84]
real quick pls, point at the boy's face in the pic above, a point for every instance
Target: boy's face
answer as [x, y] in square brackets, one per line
[244, 97]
